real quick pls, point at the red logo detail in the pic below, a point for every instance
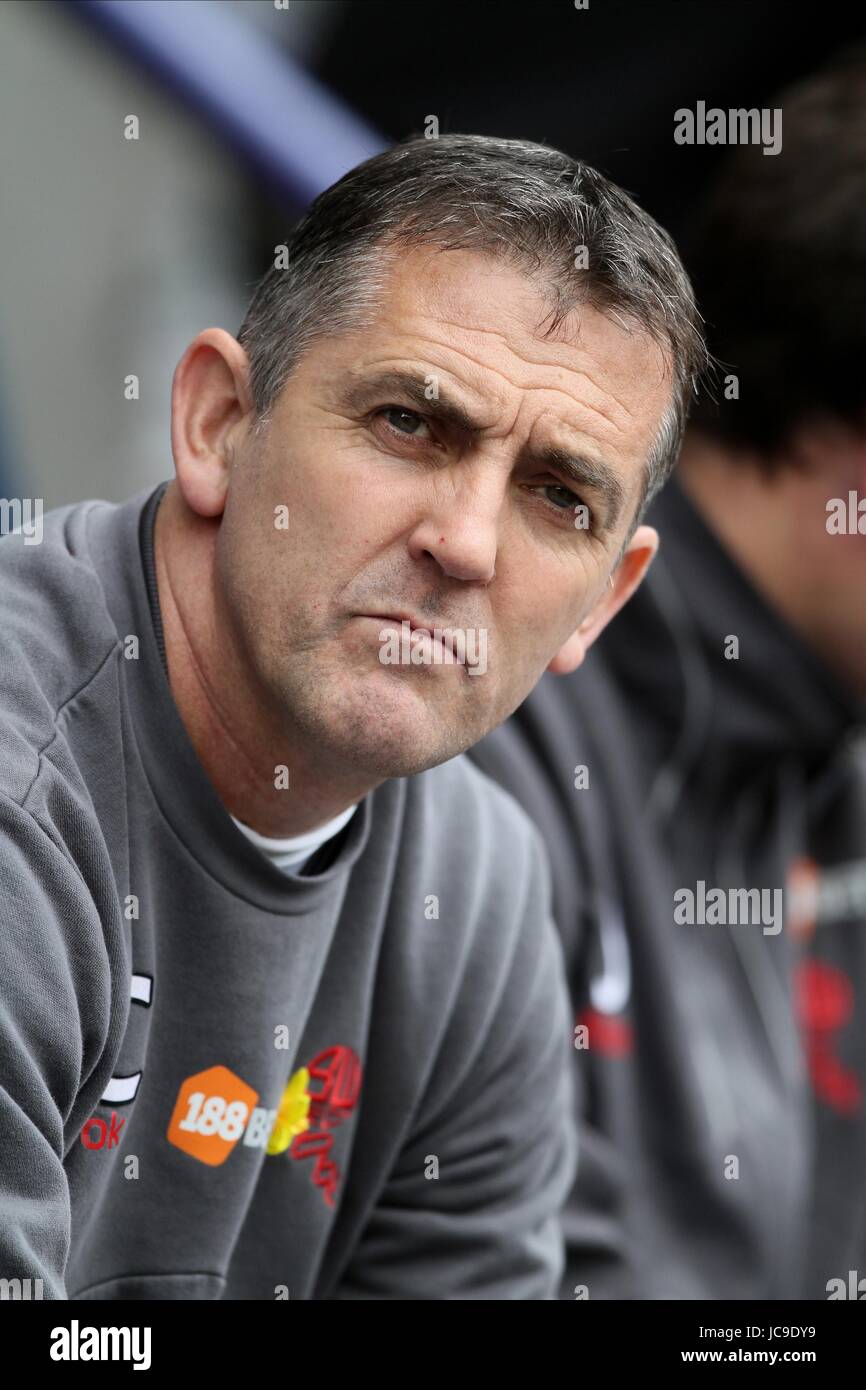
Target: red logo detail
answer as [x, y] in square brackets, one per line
[609, 1035]
[825, 1003]
[107, 1135]
[339, 1072]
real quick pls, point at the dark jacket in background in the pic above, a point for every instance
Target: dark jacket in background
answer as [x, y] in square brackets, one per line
[721, 1094]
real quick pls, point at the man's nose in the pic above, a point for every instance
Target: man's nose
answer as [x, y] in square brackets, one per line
[460, 525]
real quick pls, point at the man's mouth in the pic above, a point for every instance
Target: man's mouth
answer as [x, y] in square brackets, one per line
[443, 636]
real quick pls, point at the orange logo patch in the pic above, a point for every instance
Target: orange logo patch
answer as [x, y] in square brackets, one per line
[211, 1114]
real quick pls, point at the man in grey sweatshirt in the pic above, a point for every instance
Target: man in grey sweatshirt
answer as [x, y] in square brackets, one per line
[282, 1010]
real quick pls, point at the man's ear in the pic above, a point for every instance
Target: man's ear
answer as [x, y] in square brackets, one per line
[210, 396]
[625, 579]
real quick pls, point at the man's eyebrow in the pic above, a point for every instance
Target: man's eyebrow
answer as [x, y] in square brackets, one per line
[446, 408]
[583, 472]
[587, 473]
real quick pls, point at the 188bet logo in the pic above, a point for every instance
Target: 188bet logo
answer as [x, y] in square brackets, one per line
[215, 1110]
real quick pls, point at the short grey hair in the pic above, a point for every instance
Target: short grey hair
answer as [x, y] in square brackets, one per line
[526, 203]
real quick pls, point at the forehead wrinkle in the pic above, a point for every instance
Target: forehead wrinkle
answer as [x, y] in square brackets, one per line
[447, 302]
[539, 386]
[663, 361]
[460, 383]
[593, 409]
[566, 350]
[586, 373]
[561, 366]
[563, 426]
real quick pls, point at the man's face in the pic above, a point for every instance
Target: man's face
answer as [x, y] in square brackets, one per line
[398, 510]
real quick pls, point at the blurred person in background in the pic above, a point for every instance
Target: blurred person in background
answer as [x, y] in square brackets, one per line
[711, 746]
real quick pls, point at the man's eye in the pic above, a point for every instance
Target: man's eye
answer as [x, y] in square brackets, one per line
[403, 417]
[568, 498]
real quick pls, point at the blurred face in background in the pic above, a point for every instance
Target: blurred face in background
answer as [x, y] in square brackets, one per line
[446, 467]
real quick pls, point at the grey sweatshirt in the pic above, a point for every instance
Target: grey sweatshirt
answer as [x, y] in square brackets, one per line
[218, 1080]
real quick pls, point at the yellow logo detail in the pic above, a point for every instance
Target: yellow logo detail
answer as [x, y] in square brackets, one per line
[292, 1115]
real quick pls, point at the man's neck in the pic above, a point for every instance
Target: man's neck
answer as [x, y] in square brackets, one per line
[240, 742]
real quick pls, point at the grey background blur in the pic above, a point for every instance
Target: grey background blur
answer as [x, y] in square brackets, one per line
[115, 252]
